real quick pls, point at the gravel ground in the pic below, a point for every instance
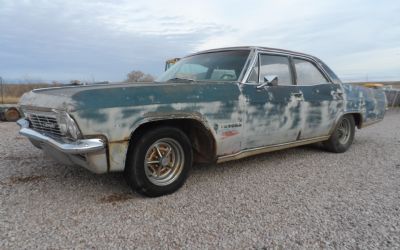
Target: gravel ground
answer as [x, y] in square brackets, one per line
[296, 198]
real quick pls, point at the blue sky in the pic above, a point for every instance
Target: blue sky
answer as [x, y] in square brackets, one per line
[104, 40]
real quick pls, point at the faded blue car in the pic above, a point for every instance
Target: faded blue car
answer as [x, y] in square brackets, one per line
[212, 106]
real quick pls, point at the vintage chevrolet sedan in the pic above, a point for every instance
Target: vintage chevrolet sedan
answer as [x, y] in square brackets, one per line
[212, 106]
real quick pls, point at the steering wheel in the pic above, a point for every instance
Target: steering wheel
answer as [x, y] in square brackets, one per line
[227, 77]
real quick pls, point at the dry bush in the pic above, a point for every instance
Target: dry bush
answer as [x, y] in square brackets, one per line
[12, 92]
[10, 99]
[138, 76]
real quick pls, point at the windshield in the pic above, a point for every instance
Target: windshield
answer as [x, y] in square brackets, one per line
[213, 66]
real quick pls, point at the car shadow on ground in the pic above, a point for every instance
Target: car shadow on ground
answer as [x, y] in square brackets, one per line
[112, 187]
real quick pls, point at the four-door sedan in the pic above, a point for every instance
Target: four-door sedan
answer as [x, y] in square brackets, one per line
[212, 106]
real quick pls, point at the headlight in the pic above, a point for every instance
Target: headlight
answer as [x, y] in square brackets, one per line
[62, 123]
[68, 126]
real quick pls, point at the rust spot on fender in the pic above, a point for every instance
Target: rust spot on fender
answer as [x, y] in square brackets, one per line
[120, 141]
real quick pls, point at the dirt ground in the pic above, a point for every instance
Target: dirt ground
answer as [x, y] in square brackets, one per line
[297, 198]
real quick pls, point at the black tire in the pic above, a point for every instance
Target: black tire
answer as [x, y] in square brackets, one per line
[137, 172]
[339, 142]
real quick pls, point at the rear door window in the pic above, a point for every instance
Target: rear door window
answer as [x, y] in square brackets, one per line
[307, 73]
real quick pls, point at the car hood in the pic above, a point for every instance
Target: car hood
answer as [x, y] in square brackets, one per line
[73, 98]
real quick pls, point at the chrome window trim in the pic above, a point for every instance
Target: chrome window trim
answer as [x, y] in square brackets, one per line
[253, 55]
[317, 66]
[259, 51]
[272, 54]
[243, 73]
[248, 62]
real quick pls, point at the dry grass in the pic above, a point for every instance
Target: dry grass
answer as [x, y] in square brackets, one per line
[394, 84]
[12, 92]
[10, 99]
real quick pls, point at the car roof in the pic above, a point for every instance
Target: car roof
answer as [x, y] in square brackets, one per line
[260, 48]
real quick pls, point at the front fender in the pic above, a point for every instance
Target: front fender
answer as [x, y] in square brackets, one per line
[118, 149]
[167, 116]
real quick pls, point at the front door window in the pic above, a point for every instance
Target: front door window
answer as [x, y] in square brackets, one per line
[276, 65]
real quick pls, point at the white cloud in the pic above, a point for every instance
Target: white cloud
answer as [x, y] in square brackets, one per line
[77, 39]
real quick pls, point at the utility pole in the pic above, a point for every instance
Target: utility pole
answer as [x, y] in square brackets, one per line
[2, 90]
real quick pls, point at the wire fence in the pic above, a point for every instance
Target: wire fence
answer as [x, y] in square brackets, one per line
[2, 90]
[393, 97]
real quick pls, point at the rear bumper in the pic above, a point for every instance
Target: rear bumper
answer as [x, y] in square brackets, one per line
[88, 153]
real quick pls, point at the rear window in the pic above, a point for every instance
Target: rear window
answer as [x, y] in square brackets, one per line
[330, 72]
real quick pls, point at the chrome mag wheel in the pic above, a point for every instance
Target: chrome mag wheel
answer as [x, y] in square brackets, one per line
[344, 131]
[164, 161]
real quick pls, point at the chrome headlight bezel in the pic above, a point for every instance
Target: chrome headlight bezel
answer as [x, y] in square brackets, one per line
[63, 122]
[68, 126]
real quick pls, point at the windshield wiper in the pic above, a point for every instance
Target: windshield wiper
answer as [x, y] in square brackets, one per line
[178, 79]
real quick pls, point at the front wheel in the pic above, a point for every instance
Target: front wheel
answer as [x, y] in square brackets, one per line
[343, 135]
[159, 162]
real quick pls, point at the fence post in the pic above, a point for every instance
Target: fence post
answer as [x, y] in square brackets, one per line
[2, 90]
[395, 98]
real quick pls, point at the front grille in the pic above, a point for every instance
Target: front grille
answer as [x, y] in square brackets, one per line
[45, 124]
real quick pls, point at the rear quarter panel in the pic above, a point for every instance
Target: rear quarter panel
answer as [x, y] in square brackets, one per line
[370, 103]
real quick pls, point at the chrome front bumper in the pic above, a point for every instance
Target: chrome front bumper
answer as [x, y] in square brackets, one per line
[89, 153]
[78, 147]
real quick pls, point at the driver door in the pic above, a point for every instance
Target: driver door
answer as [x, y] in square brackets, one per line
[272, 111]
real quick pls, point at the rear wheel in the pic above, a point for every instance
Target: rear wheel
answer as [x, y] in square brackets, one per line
[159, 162]
[343, 135]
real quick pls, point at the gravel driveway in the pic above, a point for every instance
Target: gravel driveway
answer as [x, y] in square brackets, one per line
[296, 198]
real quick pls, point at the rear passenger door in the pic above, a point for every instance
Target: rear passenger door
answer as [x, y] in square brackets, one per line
[322, 99]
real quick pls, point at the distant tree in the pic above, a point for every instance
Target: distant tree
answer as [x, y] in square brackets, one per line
[56, 83]
[134, 76]
[138, 76]
[147, 78]
[75, 82]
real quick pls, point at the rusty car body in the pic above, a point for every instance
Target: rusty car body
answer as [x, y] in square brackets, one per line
[231, 113]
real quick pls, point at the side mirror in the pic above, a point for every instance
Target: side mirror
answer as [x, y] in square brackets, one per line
[269, 80]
